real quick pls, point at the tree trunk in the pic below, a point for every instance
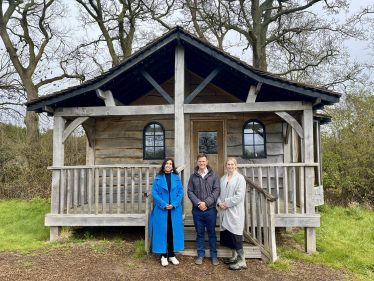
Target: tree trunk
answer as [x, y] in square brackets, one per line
[32, 118]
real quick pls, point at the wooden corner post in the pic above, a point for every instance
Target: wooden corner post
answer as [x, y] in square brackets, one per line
[58, 160]
[310, 232]
[179, 106]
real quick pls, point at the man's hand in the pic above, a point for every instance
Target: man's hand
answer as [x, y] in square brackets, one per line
[202, 206]
[169, 207]
[222, 205]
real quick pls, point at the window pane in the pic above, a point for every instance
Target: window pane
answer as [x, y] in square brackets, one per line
[258, 139]
[150, 130]
[257, 127]
[249, 151]
[259, 151]
[159, 152]
[158, 130]
[208, 142]
[159, 140]
[248, 139]
[149, 152]
[149, 141]
[249, 128]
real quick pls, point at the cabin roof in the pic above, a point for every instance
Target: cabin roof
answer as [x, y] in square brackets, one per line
[127, 84]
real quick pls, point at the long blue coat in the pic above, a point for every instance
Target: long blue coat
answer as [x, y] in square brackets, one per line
[159, 215]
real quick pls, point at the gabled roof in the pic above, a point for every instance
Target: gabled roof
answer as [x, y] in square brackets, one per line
[127, 84]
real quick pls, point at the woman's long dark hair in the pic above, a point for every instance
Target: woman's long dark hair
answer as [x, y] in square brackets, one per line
[162, 171]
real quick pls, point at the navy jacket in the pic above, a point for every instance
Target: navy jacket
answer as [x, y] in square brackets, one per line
[205, 189]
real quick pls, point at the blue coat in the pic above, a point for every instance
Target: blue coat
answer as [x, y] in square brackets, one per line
[159, 215]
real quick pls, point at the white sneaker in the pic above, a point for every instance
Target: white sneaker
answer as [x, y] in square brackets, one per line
[164, 261]
[173, 260]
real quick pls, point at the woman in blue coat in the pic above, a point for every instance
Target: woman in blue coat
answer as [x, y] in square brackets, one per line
[166, 223]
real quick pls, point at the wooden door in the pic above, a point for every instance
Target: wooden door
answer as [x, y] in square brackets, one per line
[208, 136]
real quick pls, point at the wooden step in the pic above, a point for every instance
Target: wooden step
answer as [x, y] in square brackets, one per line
[251, 251]
[188, 221]
[190, 234]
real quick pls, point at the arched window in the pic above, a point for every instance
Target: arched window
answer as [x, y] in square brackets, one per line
[153, 141]
[254, 140]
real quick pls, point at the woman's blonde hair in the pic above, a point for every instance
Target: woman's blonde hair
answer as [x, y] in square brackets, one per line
[233, 160]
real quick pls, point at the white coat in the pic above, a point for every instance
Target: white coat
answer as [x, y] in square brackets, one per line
[233, 195]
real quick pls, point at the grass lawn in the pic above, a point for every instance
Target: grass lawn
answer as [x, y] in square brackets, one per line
[344, 240]
[22, 225]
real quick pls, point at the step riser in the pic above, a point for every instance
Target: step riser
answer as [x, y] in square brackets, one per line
[249, 253]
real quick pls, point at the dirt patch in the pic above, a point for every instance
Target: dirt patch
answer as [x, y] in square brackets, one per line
[111, 260]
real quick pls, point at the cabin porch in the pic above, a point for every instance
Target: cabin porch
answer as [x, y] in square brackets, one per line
[120, 195]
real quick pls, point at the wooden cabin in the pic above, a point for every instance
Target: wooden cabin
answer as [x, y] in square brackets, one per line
[176, 97]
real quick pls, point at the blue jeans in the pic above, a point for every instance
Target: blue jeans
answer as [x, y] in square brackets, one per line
[201, 220]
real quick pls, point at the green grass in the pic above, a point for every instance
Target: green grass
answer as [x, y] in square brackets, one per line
[344, 240]
[22, 225]
[139, 249]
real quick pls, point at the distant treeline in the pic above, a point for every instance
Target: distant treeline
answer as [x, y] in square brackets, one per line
[23, 167]
[348, 150]
[347, 155]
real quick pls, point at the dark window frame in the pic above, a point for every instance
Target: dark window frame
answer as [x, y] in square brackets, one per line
[144, 142]
[243, 138]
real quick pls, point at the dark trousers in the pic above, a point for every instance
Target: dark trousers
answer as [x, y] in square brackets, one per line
[201, 220]
[170, 240]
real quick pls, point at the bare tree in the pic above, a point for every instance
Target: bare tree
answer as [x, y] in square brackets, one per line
[35, 41]
[117, 22]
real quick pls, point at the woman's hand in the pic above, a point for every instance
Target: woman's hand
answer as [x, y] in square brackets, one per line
[169, 207]
[222, 205]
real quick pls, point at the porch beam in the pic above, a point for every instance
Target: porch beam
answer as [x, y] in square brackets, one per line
[246, 107]
[107, 96]
[203, 84]
[292, 121]
[115, 110]
[156, 85]
[72, 126]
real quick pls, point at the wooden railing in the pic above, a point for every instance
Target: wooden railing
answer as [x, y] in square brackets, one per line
[149, 203]
[259, 227]
[101, 189]
[285, 181]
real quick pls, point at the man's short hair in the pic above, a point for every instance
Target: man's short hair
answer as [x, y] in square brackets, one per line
[201, 155]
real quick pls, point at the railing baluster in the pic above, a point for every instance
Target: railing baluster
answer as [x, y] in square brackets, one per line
[110, 190]
[118, 190]
[140, 190]
[97, 186]
[253, 174]
[103, 191]
[90, 174]
[246, 216]
[293, 173]
[259, 170]
[244, 171]
[258, 216]
[62, 190]
[125, 191]
[68, 195]
[76, 174]
[301, 189]
[264, 220]
[277, 190]
[253, 212]
[132, 189]
[285, 190]
[82, 185]
[268, 180]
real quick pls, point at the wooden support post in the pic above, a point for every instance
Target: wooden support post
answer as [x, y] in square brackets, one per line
[179, 106]
[310, 232]
[58, 160]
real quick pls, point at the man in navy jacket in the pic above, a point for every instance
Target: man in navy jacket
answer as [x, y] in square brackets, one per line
[203, 191]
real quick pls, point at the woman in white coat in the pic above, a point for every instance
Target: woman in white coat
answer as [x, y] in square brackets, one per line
[232, 213]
